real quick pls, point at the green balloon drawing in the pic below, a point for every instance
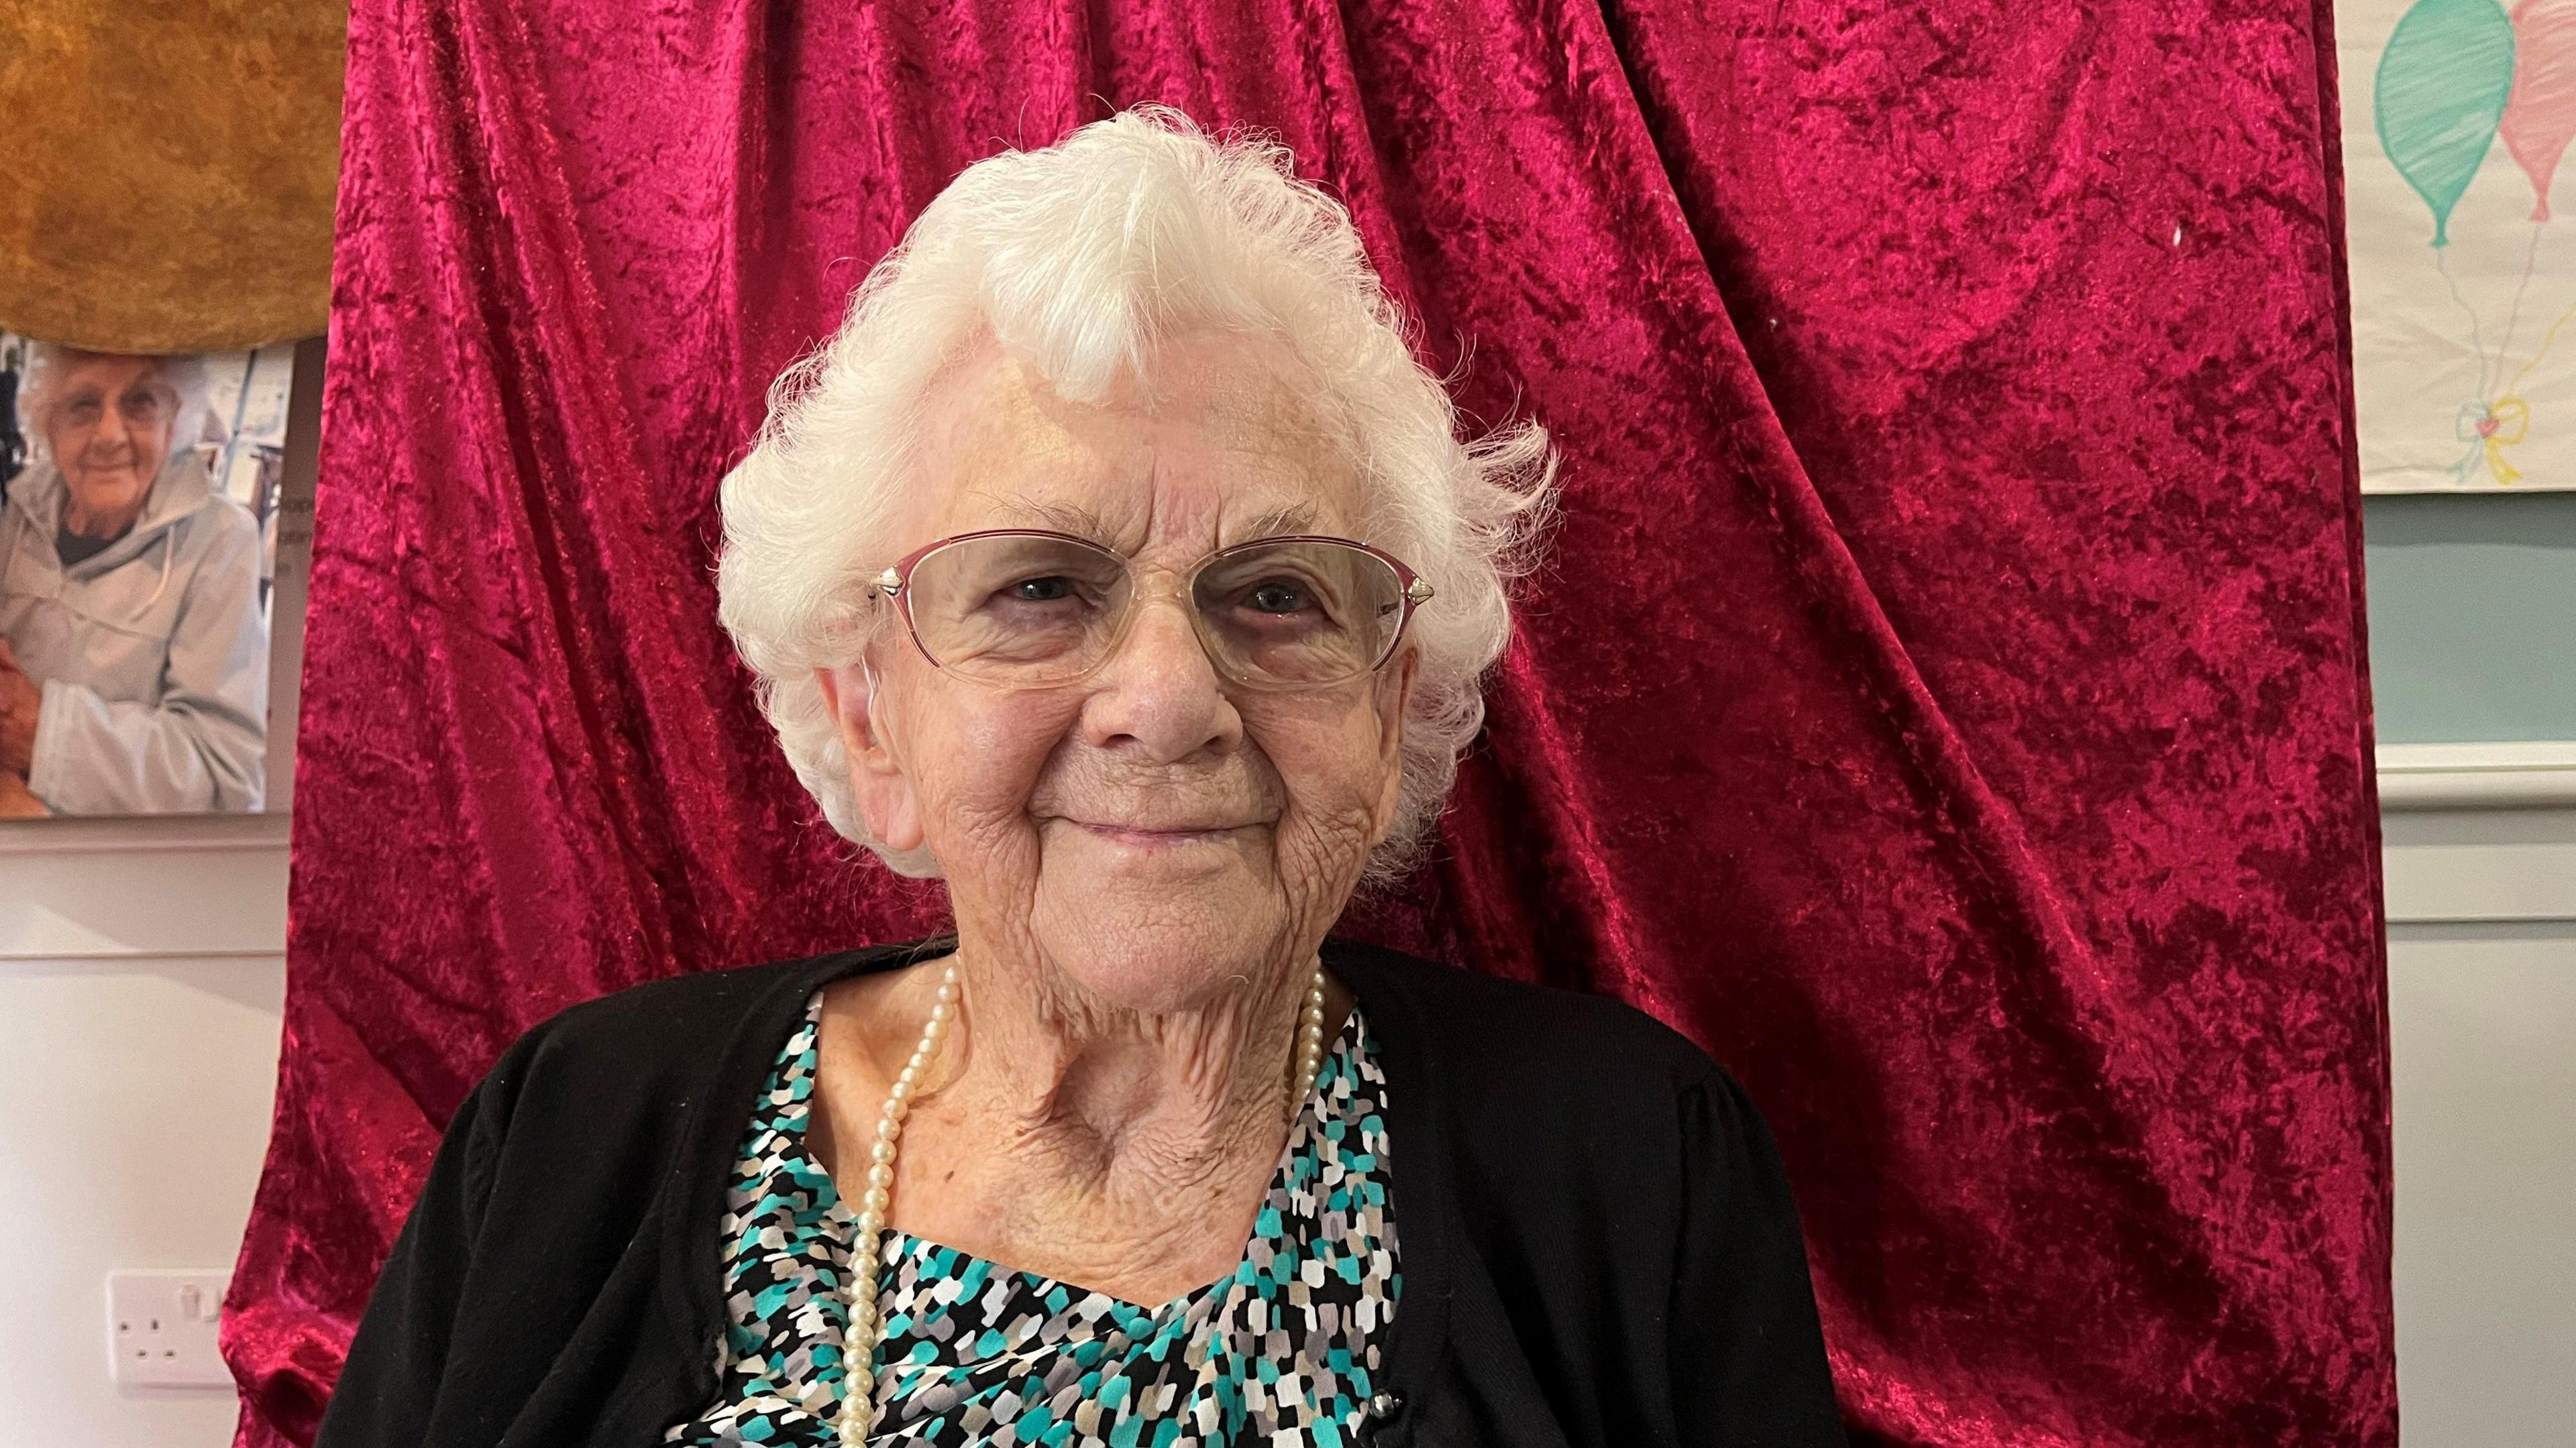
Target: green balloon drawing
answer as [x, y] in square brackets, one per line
[2443, 82]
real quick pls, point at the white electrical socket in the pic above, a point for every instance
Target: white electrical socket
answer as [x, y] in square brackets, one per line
[161, 1328]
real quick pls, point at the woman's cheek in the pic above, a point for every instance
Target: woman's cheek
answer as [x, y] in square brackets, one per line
[1333, 780]
[992, 751]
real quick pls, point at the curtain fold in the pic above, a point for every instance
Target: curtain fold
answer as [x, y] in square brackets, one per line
[1945, 699]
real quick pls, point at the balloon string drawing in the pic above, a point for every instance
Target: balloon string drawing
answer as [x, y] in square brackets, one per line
[2456, 74]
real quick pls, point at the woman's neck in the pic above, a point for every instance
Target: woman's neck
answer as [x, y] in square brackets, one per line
[107, 523]
[1116, 1099]
[1113, 1149]
[1128, 1102]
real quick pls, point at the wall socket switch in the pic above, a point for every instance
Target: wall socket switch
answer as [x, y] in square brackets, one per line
[161, 1328]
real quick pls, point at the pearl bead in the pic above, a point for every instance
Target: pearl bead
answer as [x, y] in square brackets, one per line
[883, 1151]
[1309, 1055]
[880, 1175]
[901, 1090]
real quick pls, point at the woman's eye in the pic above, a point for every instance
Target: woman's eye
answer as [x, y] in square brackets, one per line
[1277, 597]
[1042, 590]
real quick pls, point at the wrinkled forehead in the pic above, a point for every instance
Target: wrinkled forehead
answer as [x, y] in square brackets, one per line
[94, 374]
[1223, 439]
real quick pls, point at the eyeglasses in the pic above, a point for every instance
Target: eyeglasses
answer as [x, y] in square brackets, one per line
[1026, 607]
[138, 406]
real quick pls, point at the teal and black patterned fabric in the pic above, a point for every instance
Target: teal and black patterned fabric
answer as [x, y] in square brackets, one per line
[1283, 1350]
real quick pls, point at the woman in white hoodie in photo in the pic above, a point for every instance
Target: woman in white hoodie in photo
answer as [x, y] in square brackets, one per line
[133, 657]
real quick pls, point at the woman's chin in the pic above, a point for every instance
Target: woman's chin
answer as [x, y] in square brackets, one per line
[1138, 944]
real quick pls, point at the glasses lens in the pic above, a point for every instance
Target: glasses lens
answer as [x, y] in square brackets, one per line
[1017, 608]
[1298, 613]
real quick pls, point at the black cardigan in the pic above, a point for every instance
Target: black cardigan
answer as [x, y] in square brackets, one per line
[1598, 1246]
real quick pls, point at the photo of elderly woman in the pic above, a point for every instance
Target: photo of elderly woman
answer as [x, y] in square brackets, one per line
[133, 629]
[1166, 632]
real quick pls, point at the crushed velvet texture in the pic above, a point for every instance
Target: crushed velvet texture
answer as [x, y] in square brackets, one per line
[1946, 701]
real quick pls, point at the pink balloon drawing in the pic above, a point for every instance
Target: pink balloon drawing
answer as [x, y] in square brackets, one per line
[2540, 115]
[2454, 77]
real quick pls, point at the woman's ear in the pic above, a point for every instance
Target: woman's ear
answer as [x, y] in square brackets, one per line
[1394, 696]
[885, 794]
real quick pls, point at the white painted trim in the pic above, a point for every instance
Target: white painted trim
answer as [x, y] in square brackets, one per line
[143, 834]
[2478, 833]
[2523, 774]
[181, 887]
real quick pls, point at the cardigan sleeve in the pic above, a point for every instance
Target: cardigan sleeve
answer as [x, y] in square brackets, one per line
[388, 1392]
[1748, 1355]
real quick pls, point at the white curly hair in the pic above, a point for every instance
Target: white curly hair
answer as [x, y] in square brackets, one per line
[1077, 259]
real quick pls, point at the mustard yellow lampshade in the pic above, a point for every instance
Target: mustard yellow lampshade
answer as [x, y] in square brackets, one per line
[167, 170]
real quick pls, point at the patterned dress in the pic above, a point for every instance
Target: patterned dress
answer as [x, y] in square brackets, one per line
[1283, 1350]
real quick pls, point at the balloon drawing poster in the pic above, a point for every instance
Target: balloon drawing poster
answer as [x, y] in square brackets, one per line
[2456, 115]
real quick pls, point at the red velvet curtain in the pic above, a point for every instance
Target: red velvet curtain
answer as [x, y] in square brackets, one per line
[1946, 702]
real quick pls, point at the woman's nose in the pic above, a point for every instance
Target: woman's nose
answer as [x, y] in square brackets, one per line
[111, 433]
[1160, 689]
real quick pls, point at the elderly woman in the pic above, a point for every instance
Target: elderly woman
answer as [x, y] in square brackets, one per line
[133, 658]
[1117, 565]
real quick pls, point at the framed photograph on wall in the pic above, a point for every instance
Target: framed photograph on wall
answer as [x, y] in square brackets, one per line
[153, 537]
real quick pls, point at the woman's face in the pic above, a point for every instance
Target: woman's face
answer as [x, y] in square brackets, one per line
[108, 430]
[1149, 828]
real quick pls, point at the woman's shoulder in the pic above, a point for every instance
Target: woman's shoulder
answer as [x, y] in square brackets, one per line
[652, 1039]
[217, 523]
[218, 544]
[1502, 1031]
[1604, 1121]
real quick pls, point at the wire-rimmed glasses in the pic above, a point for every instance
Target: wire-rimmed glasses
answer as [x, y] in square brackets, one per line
[1028, 607]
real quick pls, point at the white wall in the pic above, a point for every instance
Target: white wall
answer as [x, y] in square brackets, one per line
[140, 981]
[2481, 859]
[2484, 1020]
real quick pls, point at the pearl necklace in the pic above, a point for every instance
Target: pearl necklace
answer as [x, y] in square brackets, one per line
[860, 1341]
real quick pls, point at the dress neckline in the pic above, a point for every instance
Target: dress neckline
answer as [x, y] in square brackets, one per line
[899, 1243]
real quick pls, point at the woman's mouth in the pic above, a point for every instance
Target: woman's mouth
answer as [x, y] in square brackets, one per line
[1142, 837]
